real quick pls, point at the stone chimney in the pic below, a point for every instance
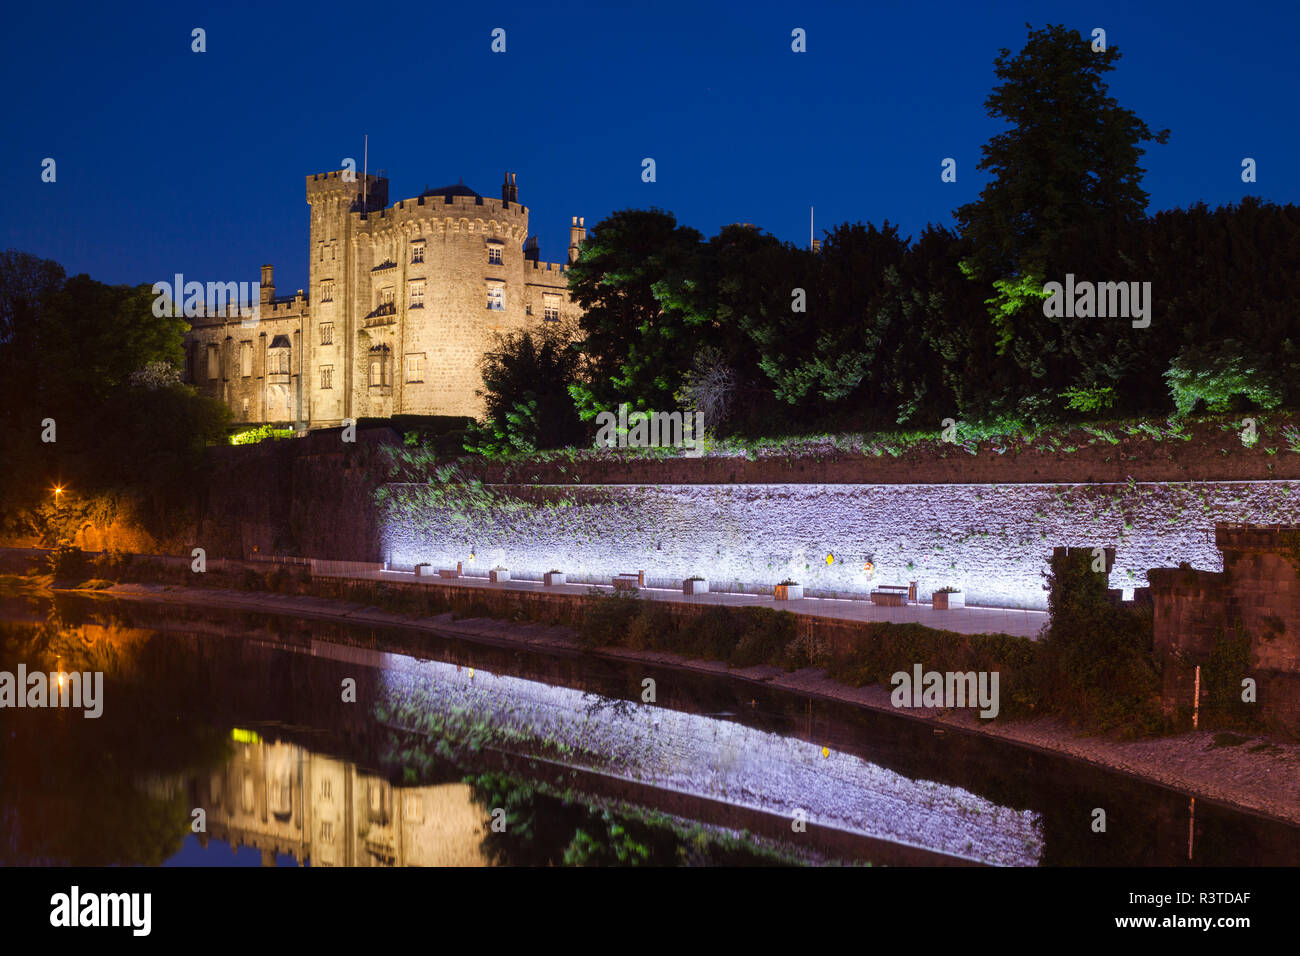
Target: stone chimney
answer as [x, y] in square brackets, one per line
[577, 233]
[532, 250]
[510, 188]
[268, 284]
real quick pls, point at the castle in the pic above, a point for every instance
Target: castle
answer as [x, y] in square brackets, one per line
[402, 303]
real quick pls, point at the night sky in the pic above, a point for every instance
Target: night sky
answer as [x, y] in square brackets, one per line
[172, 161]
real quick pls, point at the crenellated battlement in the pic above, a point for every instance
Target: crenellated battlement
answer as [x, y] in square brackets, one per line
[332, 186]
[410, 218]
[553, 268]
[434, 207]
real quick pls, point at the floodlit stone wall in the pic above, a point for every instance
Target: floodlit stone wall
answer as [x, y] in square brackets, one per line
[992, 541]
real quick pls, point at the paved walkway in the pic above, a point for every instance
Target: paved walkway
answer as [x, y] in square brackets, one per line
[965, 620]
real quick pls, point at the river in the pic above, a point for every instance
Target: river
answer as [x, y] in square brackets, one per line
[233, 738]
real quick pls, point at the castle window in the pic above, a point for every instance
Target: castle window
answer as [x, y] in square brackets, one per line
[245, 409]
[496, 296]
[332, 241]
[246, 359]
[379, 369]
[327, 333]
[494, 255]
[417, 295]
[278, 360]
[417, 252]
[327, 831]
[327, 291]
[322, 251]
[415, 368]
[327, 789]
[327, 376]
[551, 307]
[214, 363]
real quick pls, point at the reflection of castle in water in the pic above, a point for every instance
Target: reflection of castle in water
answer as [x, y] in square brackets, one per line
[284, 799]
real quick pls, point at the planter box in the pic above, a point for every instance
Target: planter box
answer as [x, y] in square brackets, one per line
[943, 600]
[448, 572]
[424, 570]
[788, 592]
[498, 576]
[695, 587]
[552, 578]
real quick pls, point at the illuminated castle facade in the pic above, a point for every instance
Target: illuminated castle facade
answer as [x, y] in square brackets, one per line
[402, 304]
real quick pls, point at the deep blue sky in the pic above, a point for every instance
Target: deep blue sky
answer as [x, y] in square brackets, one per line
[171, 161]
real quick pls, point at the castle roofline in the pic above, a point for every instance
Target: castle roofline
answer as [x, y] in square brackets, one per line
[460, 189]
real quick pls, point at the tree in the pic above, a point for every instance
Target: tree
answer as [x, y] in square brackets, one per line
[526, 381]
[937, 357]
[1223, 275]
[825, 355]
[1066, 196]
[95, 361]
[740, 286]
[95, 336]
[634, 348]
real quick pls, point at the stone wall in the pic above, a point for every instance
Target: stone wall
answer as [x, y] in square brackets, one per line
[992, 541]
[1257, 594]
[312, 497]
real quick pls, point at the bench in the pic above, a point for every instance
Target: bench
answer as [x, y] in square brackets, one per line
[629, 582]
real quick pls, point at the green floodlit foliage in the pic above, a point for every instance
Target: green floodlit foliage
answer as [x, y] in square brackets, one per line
[1219, 375]
[1011, 297]
[262, 432]
[1089, 400]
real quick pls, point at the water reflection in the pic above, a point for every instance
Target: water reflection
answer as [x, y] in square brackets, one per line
[241, 716]
[284, 800]
[680, 752]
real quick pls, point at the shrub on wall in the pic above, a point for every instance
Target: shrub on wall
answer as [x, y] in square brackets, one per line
[1097, 667]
